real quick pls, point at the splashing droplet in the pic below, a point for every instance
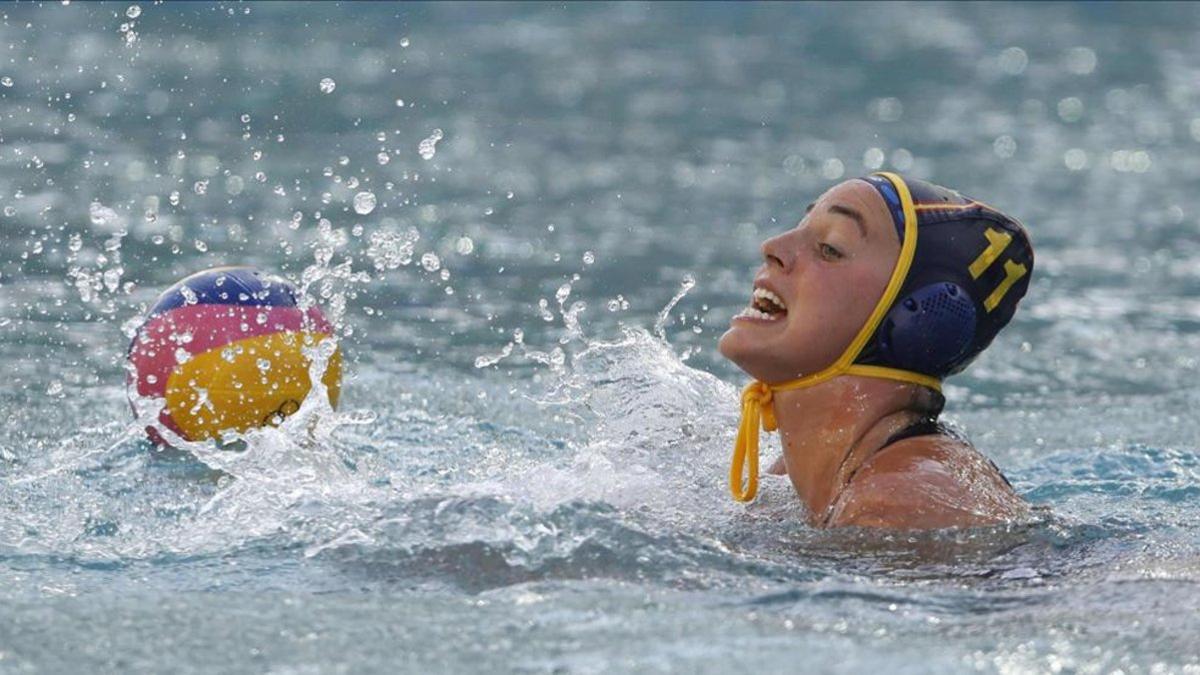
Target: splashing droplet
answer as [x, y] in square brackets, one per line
[661, 324]
[102, 216]
[364, 203]
[428, 147]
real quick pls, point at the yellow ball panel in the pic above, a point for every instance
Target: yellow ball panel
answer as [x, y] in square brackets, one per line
[250, 383]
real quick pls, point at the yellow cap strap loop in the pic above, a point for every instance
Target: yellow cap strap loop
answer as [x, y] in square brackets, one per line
[757, 408]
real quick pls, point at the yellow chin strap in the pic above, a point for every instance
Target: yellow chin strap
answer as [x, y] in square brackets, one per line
[758, 397]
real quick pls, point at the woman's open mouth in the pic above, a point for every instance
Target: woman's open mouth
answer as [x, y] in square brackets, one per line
[764, 306]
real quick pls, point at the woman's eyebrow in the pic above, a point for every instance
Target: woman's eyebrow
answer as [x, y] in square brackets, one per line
[853, 215]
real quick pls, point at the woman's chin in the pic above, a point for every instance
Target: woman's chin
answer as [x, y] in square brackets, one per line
[743, 348]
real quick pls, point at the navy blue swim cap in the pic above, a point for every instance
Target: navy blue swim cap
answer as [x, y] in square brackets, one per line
[970, 267]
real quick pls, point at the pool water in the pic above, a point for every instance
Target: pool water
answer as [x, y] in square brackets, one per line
[562, 211]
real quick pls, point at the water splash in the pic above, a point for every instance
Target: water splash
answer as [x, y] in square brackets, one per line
[427, 148]
[660, 323]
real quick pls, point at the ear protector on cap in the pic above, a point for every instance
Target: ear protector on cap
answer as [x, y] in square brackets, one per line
[929, 330]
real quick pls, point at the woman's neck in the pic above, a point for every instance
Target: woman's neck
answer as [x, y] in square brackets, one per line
[830, 429]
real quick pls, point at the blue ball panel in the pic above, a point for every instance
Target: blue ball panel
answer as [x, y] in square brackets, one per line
[228, 286]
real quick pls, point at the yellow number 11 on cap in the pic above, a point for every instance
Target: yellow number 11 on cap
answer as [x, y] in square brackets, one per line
[997, 242]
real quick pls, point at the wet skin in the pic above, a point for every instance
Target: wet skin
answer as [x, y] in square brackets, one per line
[828, 273]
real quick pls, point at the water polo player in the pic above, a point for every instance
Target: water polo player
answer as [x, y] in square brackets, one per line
[887, 285]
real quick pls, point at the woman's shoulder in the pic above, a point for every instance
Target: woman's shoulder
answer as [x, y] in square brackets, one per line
[926, 482]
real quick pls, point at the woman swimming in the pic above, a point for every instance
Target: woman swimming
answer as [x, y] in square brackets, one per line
[886, 286]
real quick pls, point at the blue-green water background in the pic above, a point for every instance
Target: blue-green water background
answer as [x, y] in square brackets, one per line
[563, 509]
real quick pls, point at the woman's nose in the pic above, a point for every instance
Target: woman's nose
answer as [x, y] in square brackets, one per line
[780, 250]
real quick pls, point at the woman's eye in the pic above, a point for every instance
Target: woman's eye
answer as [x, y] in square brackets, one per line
[830, 253]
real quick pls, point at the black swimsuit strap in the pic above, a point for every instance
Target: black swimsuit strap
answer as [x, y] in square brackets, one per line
[926, 426]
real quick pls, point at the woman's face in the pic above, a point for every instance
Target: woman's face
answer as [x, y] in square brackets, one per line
[817, 286]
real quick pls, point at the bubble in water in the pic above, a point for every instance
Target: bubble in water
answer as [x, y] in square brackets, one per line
[1013, 60]
[428, 147]
[888, 109]
[1076, 159]
[873, 158]
[464, 246]
[588, 257]
[364, 203]
[6, 81]
[75, 243]
[1081, 60]
[328, 85]
[404, 42]
[430, 261]
[173, 198]
[133, 12]
[200, 187]
[1070, 109]
[263, 365]
[182, 355]
[832, 168]
[399, 103]
[102, 216]
[55, 388]
[383, 158]
[1004, 146]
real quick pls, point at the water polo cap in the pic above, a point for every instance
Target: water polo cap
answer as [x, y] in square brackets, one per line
[962, 269]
